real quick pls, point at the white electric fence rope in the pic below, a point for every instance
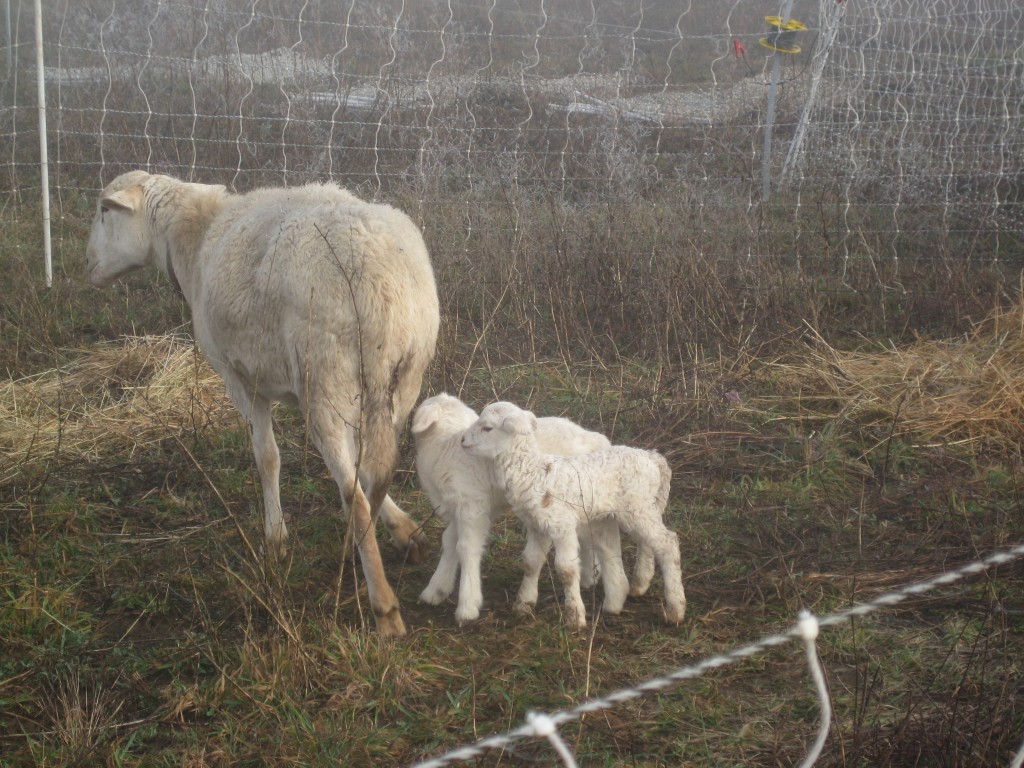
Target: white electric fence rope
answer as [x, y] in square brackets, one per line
[806, 629]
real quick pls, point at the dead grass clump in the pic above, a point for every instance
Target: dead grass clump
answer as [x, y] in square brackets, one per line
[965, 390]
[120, 396]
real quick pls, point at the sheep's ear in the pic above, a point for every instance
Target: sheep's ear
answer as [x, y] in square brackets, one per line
[206, 188]
[424, 418]
[123, 200]
[522, 423]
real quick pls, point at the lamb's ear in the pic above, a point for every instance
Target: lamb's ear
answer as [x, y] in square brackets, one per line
[424, 418]
[124, 199]
[522, 423]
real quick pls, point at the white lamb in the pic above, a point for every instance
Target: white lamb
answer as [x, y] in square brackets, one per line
[462, 491]
[306, 295]
[553, 494]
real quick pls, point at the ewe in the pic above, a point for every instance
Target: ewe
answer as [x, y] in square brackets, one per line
[553, 494]
[305, 295]
[463, 492]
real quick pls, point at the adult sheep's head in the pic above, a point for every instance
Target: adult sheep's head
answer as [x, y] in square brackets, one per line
[121, 238]
[498, 423]
[134, 219]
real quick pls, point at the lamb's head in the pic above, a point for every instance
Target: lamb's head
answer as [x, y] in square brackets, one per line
[498, 425]
[122, 236]
[446, 414]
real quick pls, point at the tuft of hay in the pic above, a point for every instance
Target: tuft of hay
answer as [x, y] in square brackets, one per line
[118, 397]
[965, 390]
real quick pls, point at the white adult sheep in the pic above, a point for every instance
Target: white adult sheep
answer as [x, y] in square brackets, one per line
[462, 491]
[306, 295]
[552, 494]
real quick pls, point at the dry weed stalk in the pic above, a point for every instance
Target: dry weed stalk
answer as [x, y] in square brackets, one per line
[135, 392]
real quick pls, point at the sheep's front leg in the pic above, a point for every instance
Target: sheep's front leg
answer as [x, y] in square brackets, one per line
[534, 556]
[442, 583]
[567, 565]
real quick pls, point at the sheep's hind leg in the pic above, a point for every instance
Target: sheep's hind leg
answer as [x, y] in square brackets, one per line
[407, 534]
[383, 601]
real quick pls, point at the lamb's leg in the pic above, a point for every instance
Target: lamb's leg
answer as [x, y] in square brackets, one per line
[608, 548]
[643, 570]
[256, 411]
[567, 565]
[407, 534]
[590, 563]
[665, 546]
[442, 583]
[473, 532]
[534, 556]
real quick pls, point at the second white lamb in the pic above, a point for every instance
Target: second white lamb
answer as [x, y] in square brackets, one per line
[553, 494]
[463, 492]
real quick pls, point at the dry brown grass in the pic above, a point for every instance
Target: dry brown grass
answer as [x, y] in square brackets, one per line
[115, 397]
[964, 390]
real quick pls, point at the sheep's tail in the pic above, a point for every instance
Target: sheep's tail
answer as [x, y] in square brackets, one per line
[379, 443]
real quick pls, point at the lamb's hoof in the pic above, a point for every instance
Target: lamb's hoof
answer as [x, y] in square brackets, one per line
[466, 616]
[276, 549]
[639, 591]
[613, 608]
[674, 616]
[575, 624]
[522, 609]
[433, 596]
[391, 624]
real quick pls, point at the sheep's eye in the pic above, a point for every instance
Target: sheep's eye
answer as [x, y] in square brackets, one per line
[486, 429]
[103, 209]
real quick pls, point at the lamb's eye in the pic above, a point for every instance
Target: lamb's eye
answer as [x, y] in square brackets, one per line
[103, 209]
[486, 429]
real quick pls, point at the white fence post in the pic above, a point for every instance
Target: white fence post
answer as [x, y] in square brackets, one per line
[44, 164]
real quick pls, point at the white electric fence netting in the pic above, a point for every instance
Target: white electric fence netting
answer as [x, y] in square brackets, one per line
[545, 725]
[893, 119]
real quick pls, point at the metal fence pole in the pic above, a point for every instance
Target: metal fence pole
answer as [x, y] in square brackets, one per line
[766, 160]
[44, 163]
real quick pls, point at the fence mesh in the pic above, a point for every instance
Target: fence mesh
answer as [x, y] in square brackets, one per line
[900, 122]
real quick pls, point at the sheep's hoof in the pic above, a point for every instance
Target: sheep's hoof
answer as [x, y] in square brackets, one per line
[465, 616]
[638, 591]
[391, 624]
[416, 548]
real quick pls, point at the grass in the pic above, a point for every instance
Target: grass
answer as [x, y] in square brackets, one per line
[827, 447]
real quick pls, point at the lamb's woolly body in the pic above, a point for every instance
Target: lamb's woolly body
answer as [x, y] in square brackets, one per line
[552, 494]
[305, 295]
[463, 492]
